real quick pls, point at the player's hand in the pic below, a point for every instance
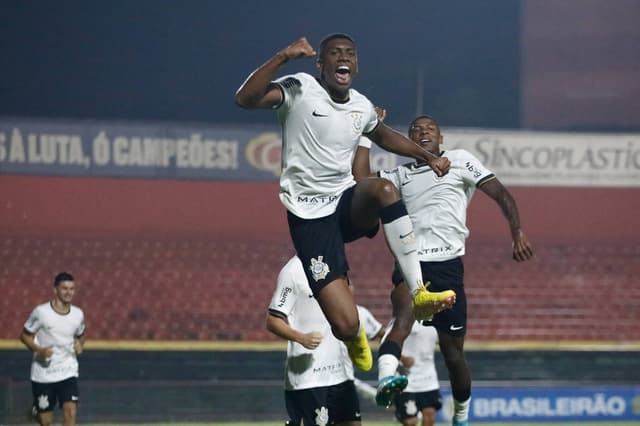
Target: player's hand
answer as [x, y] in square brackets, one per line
[311, 340]
[381, 113]
[407, 361]
[45, 353]
[77, 346]
[440, 165]
[298, 49]
[522, 249]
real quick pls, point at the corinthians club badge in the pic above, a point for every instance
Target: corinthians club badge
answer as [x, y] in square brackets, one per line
[318, 268]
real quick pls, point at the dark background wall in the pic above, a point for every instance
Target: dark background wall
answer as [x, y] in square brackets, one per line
[541, 64]
[168, 60]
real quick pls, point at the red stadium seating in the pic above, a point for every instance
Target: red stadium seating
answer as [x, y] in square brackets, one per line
[217, 288]
[182, 260]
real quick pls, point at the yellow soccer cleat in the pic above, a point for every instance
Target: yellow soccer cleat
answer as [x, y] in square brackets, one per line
[426, 304]
[360, 352]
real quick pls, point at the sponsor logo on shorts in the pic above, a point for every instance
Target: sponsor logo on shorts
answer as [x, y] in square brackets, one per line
[456, 327]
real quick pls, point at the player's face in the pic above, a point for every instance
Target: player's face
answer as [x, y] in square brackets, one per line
[65, 290]
[338, 64]
[426, 133]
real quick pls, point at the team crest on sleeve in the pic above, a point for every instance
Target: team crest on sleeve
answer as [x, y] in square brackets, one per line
[318, 268]
[290, 82]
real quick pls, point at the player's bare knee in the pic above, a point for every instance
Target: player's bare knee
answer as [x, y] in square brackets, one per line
[453, 358]
[346, 330]
[411, 421]
[386, 192]
[45, 419]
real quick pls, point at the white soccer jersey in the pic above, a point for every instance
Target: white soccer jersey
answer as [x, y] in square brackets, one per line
[421, 345]
[57, 331]
[306, 368]
[438, 205]
[371, 325]
[319, 137]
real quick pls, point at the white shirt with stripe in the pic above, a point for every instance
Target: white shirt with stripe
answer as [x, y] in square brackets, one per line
[306, 368]
[438, 205]
[319, 138]
[55, 330]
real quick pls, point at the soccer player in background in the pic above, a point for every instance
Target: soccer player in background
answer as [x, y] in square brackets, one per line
[54, 333]
[421, 398]
[322, 120]
[437, 206]
[319, 387]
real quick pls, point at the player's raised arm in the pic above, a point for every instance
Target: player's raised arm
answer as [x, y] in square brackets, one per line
[393, 141]
[257, 91]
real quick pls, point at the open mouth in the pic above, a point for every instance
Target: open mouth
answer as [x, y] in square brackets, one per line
[343, 74]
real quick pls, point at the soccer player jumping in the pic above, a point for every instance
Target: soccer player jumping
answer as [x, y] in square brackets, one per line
[322, 120]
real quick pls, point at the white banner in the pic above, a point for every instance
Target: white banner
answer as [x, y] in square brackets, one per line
[174, 151]
[521, 158]
[526, 158]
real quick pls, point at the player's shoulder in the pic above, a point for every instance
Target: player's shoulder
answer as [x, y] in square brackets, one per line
[292, 273]
[400, 168]
[43, 307]
[76, 310]
[293, 265]
[458, 154]
[298, 79]
[358, 97]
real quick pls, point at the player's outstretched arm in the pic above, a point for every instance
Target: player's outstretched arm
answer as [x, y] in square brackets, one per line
[522, 249]
[257, 90]
[393, 141]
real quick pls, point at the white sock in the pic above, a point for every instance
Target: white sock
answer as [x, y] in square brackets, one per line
[387, 365]
[402, 242]
[461, 410]
[365, 390]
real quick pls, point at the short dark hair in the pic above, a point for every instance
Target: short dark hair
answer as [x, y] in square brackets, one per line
[428, 117]
[62, 276]
[333, 36]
